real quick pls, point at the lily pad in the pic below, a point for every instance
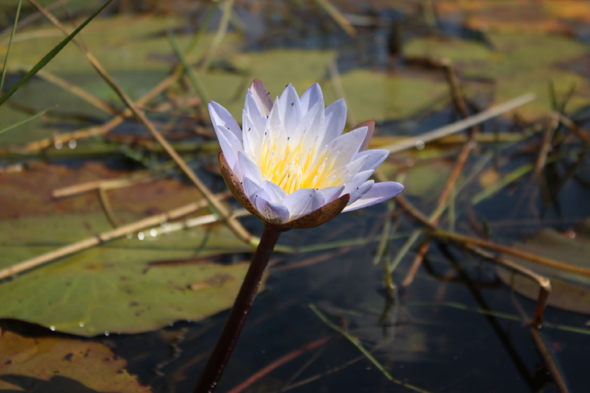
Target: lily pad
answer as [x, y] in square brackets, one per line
[121, 43]
[127, 286]
[50, 364]
[519, 63]
[547, 16]
[570, 291]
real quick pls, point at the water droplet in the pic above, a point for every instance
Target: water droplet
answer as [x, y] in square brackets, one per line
[129, 236]
[81, 324]
[52, 328]
[107, 333]
[72, 144]
[58, 144]
[153, 233]
[140, 236]
[420, 145]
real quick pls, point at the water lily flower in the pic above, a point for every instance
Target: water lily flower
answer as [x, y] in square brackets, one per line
[290, 164]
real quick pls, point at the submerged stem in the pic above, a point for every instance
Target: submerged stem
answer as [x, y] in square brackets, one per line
[237, 317]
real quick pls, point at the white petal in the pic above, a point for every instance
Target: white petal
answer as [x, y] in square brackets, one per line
[346, 146]
[252, 135]
[249, 168]
[310, 127]
[230, 146]
[335, 121]
[252, 189]
[370, 124]
[290, 110]
[222, 118]
[262, 97]
[275, 212]
[255, 117]
[311, 97]
[361, 190]
[331, 193]
[374, 158]
[378, 193]
[276, 193]
[303, 201]
[356, 181]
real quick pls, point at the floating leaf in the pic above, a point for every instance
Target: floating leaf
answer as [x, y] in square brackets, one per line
[518, 15]
[49, 364]
[121, 43]
[126, 286]
[570, 291]
[518, 63]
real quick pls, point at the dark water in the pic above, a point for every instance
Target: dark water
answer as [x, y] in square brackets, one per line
[457, 328]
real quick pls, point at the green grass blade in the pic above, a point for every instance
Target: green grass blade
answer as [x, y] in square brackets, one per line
[360, 347]
[28, 119]
[20, 2]
[48, 57]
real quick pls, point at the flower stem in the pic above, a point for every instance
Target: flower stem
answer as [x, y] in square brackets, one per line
[237, 317]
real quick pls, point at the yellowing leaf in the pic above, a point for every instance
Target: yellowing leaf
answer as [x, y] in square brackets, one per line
[49, 364]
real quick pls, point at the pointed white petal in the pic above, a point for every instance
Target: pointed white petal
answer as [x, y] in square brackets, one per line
[276, 193]
[262, 97]
[251, 109]
[229, 145]
[370, 124]
[251, 188]
[335, 121]
[223, 119]
[346, 146]
[303, 201]
[356, 181]
[361, 190]
[249, 168]
[374, 158]
[276, 213]
[252, 135]
[331, 193]
[310, 127]
[311, 97]
[378, 193]
[290, 110]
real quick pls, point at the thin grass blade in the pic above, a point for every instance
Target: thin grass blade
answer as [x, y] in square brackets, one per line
[28, 119]
[49, 56]
[20, 2]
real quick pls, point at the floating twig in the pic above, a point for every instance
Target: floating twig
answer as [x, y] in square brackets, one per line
[214, 204]
[338, 17]
[279, 362]
[104, 237]
[460, 125]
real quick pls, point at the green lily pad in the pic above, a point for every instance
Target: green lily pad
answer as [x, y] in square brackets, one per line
[121, 43]
[518, 63]
[570, 291]
[126, 286]
[50, 364]
[380, 96]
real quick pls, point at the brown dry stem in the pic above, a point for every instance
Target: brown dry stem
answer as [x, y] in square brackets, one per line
[215, 205]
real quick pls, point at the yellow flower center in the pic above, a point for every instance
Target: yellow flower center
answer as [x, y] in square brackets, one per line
[291, 168]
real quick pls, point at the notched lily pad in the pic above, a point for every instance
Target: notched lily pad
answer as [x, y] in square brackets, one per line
[117, 287]
[49, 364]
[570, 291]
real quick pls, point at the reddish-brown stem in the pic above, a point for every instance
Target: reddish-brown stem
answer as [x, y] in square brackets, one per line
[237, 317]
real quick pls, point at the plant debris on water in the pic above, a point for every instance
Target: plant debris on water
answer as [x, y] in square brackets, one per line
[122, 249]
